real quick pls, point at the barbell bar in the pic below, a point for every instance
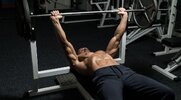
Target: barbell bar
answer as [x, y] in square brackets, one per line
[92, 12]
[87, 12]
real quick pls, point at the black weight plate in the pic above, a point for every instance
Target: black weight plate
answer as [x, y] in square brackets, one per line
[145, 19]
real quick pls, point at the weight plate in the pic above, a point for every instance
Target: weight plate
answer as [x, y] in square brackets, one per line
[145, 19]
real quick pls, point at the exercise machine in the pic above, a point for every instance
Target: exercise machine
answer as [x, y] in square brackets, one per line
[174, 42]
[171, 45]
[169, 34]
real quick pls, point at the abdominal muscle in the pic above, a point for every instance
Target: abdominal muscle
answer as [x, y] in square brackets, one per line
[99, 60]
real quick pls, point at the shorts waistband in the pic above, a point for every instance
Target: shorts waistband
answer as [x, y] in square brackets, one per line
[109, 70]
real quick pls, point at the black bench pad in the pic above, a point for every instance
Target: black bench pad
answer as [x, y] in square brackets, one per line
[172, 42]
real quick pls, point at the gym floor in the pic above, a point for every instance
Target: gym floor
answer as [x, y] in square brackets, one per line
[15, 57]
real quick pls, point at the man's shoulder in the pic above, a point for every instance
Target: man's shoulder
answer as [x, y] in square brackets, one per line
[100, 51]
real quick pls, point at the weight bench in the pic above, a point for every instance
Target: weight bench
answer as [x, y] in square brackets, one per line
[174, 42]
[69, 80]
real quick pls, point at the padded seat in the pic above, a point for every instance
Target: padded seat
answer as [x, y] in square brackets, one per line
[172, 42]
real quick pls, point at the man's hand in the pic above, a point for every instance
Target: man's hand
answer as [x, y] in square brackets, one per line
[122, 12]
[55, 16]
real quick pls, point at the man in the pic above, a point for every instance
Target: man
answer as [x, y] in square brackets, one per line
[112, 80]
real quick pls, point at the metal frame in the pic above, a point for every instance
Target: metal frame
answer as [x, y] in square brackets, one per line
[159, 12]
[44, 73]
[167, 71]
[139, 32]
[167, 50]
[102, 20]
[122, 50]
[171, 26]
[50, 72]
[175, 63]
[171, 66]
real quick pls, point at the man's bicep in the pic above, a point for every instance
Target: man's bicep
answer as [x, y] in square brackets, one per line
[112, 46]
[77, 65]
[69, 48]
[71, 55]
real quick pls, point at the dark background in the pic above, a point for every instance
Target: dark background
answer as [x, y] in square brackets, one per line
[15, 57]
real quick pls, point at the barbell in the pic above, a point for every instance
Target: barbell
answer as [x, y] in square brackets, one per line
[144, 13]
[86, 13]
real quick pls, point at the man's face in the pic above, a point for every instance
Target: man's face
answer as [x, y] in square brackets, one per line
[83, 53]
[83, 50]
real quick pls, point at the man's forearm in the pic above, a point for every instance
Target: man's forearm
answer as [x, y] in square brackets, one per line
[60, 31]
[122, 25]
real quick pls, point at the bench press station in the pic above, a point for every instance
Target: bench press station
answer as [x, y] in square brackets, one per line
[66, 79]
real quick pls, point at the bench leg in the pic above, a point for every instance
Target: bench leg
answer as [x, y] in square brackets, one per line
[167, 71]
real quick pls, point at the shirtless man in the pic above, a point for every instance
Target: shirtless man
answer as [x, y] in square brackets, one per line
[111, 79]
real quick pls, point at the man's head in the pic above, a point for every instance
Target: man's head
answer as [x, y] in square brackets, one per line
[83, 53]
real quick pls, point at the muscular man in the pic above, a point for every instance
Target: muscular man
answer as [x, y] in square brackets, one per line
[112, 81]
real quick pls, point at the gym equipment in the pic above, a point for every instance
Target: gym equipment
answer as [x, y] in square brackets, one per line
[172, 45]
[87, 12]
[103, 18]
[171, 25]
[145, 19]
[135, 32]
[175, 62]
[69, 80]
[147, 11]
[38, 74]
[23, 22]
[106, 17]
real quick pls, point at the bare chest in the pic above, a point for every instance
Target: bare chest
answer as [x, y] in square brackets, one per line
[99, 60]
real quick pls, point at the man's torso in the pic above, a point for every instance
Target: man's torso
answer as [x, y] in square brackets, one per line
[98, 60]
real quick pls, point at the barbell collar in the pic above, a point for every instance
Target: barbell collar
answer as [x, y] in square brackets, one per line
[87, 12]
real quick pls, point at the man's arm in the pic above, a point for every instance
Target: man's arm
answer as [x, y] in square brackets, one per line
[113, 44]
[79, 66]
